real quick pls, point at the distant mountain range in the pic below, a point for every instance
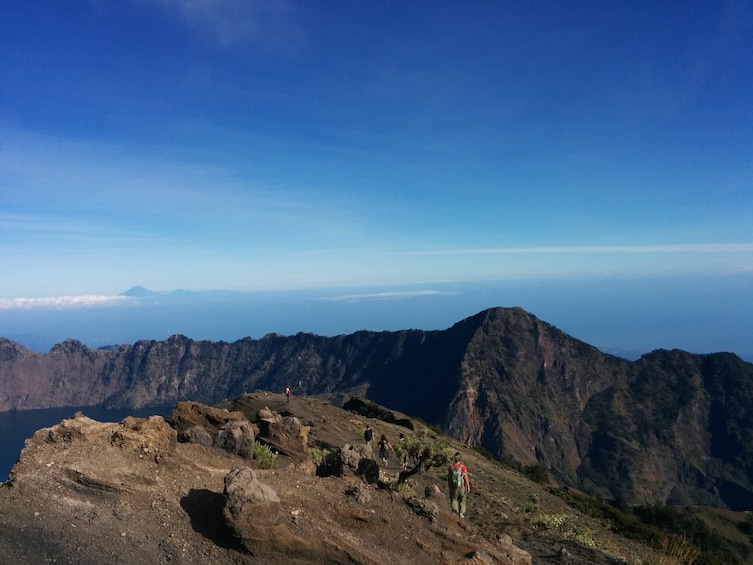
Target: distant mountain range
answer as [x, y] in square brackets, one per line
[138, 291]
[142, 292]
[671, 427]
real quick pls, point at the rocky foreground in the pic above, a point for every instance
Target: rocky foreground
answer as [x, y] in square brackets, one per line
[189, 490]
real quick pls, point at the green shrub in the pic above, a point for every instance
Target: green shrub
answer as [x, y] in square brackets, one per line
[417, 448]
[264, 456]
[536, 473]
[485, 452]
[549, 521]
[563, 526]
[318, 455]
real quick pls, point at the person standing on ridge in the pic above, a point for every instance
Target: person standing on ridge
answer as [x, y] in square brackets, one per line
[287, 393]
[460, 486]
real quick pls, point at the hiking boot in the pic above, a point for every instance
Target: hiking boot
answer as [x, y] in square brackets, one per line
[462, 515]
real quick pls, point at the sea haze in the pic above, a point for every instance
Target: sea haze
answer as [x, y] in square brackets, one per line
[627, 317]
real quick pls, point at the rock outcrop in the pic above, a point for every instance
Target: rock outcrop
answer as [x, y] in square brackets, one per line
[252, 510]
[285, 434]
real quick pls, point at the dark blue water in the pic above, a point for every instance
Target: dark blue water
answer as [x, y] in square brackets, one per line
[16, 427]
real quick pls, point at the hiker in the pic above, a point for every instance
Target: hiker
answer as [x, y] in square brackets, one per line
[460, 486]
[287, 393]
[384, 448]
[368, 435]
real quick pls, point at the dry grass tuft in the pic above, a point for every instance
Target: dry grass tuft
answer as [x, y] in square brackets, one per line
[676, 550]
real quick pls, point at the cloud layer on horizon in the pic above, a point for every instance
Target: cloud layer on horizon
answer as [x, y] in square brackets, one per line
[396, 295]
[62, 302]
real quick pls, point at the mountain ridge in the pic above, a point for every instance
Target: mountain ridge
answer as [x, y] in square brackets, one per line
[501, 379]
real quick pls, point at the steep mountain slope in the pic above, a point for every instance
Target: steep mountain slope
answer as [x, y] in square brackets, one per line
[671, 426]
[524, 387]
[679, 429]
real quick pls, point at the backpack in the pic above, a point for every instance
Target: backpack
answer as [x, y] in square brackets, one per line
[457, 476]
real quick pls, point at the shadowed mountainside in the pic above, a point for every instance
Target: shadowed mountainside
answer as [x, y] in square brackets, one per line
[672, 426]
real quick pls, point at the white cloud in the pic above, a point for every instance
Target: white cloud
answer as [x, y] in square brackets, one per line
[672, 248]
[61, 302]
[386, 296]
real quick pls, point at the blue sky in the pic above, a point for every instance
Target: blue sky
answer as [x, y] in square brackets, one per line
[291, 145]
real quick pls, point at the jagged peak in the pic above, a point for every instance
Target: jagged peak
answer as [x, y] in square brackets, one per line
[10, 350]
[68, 345]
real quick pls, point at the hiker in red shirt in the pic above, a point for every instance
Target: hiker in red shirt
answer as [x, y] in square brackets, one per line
[460, 486]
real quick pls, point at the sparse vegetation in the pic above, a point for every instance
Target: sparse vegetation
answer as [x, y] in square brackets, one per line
[435, 428]
[415, 447]
[485, 452]
[422, 452]
[564, 527]
[318, 455]
[537, 473]
[675, 533]
[264, 456]
[583, 537]
[675, 550]
[549, 521]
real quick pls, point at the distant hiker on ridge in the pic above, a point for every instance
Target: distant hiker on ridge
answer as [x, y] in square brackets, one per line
[460, 486]
[287, 393]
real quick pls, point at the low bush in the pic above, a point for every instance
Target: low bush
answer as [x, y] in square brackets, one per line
[536, 473]
[264, 456]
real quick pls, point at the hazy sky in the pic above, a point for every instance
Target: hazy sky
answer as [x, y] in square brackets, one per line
[254, 145]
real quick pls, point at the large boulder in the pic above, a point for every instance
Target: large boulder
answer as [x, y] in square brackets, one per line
[150, 435]
[236, 437]
[186, 415]
[214, 427]
[198, 435]
[355, 459]
[514, 554]
[352, 454]
[284, 434]
[252, 511]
